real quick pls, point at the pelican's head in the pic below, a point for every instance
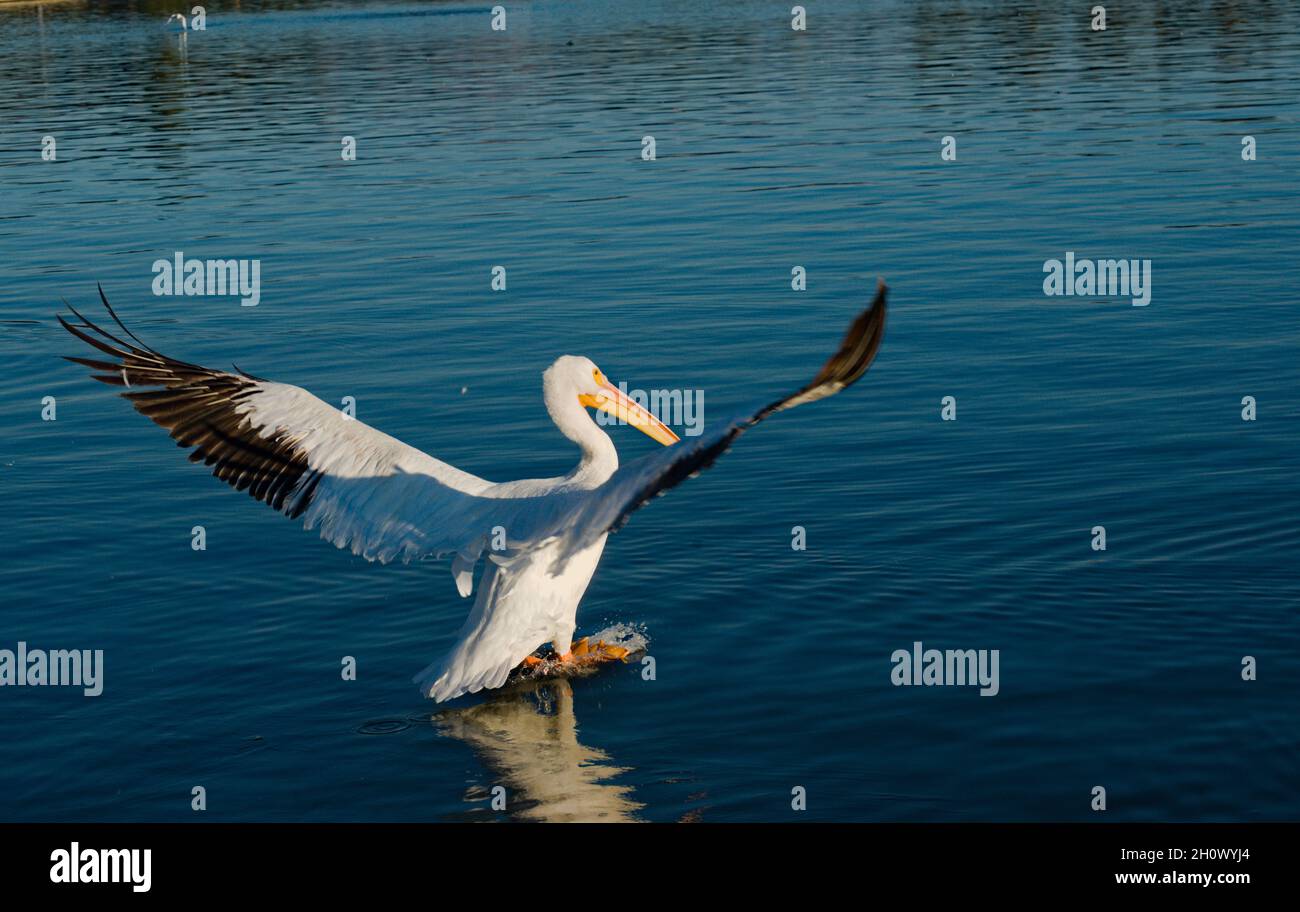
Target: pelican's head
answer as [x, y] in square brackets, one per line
[579, 378]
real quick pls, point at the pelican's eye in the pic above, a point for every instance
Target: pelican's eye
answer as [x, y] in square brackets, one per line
[598, 376]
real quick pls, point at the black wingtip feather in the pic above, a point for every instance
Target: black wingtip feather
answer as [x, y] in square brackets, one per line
[200, 409]
[856, 352]
[112, 313]
[844, 368]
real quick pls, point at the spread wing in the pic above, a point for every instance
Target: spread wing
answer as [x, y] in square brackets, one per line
[637, 483]
[365, 491]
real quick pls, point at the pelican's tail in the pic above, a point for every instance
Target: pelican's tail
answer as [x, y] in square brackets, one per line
[492, 642]
[466, 669]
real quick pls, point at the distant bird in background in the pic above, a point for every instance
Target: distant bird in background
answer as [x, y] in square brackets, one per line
[385, 500]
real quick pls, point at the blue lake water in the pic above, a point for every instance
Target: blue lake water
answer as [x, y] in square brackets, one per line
[774, 149]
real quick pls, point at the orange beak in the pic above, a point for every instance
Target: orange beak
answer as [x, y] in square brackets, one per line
[612, 400]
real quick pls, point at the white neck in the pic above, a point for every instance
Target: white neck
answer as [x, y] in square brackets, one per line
[599, 458]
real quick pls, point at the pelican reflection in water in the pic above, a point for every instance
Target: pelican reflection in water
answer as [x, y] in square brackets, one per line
[527, 736]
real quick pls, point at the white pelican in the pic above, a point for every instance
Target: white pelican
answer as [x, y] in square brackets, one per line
[385, 500]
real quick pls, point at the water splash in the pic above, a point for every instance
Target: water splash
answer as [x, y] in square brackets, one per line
[632, 637]
[629, 637]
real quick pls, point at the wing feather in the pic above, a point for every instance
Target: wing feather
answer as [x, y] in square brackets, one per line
[364, 490]
[637, 483]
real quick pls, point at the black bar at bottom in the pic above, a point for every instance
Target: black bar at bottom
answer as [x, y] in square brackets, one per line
[331, 861]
